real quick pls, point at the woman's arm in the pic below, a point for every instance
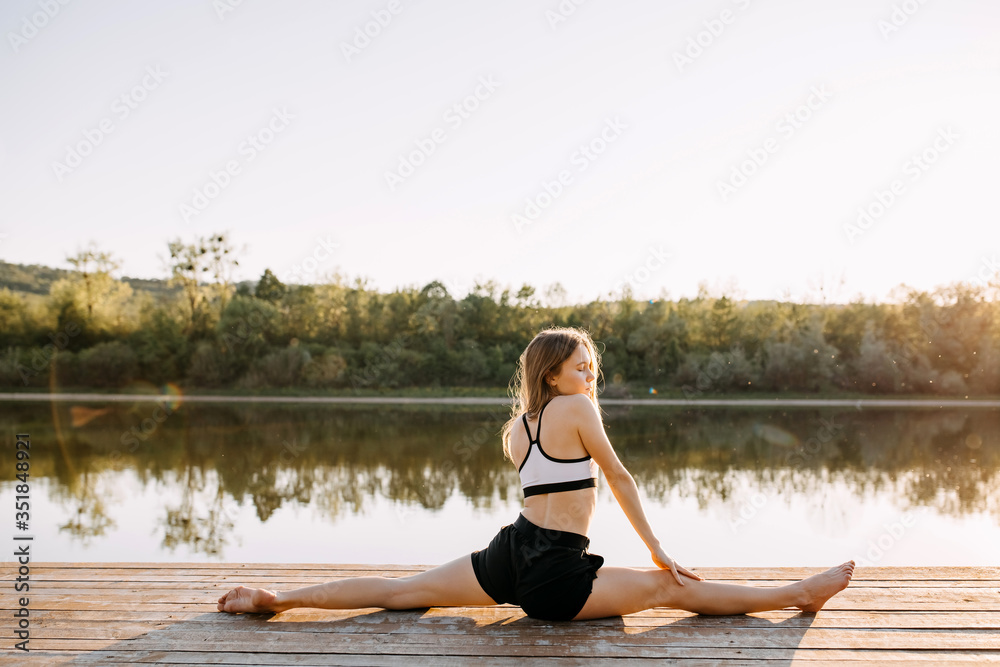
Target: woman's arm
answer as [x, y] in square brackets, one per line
[622, 484]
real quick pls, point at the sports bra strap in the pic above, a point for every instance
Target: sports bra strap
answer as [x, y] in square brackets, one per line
[544, 474]
[538, 432]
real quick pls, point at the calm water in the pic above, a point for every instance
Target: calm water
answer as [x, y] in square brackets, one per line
[377, 484]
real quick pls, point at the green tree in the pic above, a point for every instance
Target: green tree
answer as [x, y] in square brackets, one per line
[221, 263]
[95, 269]
[721, 323]
[189, 264]
[269, 288]
[14, 320]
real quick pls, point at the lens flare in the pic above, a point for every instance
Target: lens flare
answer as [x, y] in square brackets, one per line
[81, 415]
[174, 394]
[775, 435]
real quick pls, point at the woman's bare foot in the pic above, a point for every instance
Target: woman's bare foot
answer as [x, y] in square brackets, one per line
[819, 588]
[248, 600]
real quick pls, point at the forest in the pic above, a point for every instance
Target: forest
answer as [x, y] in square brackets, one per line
[83, 328]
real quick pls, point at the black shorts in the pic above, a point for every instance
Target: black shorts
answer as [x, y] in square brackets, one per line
[548, 573]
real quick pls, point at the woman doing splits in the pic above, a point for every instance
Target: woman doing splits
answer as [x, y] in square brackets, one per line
[541, 562]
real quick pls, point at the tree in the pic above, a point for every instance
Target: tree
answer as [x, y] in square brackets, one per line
[801, 360]
[436, 315]
[221, 263]
[721, 322]
[269, 288]
[188, 263]
[90, 298]
[95, 270]
[14, 322]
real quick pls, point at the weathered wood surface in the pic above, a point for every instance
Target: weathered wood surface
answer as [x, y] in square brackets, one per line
[126, 613]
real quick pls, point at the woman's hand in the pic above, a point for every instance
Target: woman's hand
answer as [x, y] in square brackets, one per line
[665, 562]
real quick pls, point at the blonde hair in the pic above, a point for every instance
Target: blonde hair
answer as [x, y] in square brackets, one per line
[546, 352]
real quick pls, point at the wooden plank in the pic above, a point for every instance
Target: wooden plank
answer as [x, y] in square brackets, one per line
[576, 633]
[293, 644]
[209, 587]
[814, 659]
[288, 579]
[791, 573]
[169, 575]
[239, 659]
[287, 584]
[907, 572]
[889, 599]
[92, 613]
[610, 642]
[444, 617]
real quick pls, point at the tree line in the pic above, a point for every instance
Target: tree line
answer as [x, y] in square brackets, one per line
[93, 330]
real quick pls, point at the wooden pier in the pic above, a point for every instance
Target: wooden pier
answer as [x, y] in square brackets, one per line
[165, 613]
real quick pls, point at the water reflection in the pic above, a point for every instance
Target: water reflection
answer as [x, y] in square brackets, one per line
[209, 461]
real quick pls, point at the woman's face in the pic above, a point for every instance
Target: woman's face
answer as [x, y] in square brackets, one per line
[574, 375]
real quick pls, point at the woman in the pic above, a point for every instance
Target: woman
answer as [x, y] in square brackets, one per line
[541, 562]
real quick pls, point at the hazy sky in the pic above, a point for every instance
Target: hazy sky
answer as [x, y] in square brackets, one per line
[660, 143]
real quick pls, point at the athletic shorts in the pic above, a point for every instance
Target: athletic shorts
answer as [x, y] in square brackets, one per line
[548, 573]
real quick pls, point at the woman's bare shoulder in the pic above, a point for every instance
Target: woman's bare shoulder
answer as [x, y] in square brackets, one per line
[574, 409]
[572, 403]
[571, 400]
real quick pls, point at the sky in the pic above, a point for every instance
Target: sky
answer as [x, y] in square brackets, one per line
[761, 148]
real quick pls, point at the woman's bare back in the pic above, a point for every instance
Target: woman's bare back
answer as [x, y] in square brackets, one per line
[570, 511]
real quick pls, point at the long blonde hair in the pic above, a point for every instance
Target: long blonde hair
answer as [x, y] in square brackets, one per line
[546, 352]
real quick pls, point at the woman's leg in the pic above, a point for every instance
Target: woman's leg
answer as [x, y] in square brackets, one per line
[453, 584]
[621, 590]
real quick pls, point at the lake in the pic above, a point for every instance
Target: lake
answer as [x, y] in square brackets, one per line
[424, 484]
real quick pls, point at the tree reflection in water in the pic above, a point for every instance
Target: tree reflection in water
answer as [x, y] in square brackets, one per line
[88, 517]
[211, 459]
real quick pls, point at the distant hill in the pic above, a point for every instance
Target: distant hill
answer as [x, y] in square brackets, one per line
[33, 279]
[38, 279]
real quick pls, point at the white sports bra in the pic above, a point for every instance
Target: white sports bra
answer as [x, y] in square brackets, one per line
[544, 474]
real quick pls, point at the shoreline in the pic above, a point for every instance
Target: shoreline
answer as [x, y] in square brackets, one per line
[857, 403]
